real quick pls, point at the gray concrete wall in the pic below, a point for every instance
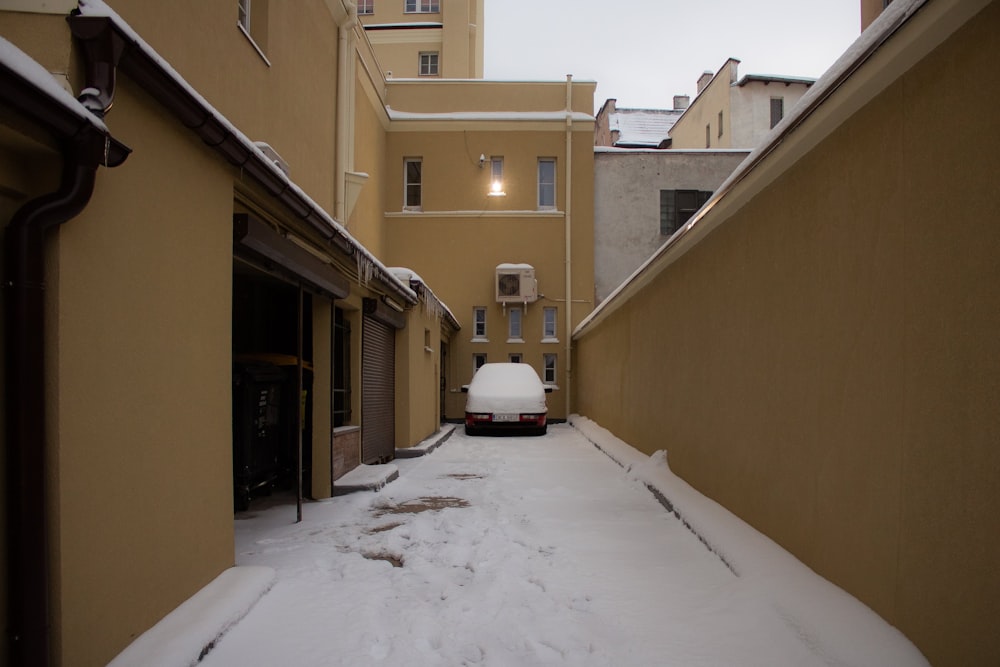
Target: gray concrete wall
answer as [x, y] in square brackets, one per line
[627, 186]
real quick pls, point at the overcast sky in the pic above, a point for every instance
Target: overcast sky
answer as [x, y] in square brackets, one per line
[643, 52]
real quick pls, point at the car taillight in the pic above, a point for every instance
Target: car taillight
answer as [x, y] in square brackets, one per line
[537, 419]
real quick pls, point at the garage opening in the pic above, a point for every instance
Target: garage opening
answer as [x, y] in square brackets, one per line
[272, 417]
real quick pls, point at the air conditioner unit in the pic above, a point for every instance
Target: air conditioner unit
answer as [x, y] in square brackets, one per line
[515, 283]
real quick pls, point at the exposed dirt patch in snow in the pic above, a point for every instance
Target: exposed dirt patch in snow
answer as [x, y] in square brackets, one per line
[465, 475]
[424, 504]
[395, 561]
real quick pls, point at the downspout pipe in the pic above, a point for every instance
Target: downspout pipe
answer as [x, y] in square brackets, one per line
[569, 242]
[28, 546]
[345, 109]
[85, 145]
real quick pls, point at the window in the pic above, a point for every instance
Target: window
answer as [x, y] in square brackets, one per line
[496, 175]
[422, 6]
[251, 18]
[478, 323]
[478, 360]
[341, 369]
[549, 368]
[428, 64]
[514, 322]
[244, 14]
[720, 123]
[546, 183]
[514, 358]
[677, 207]
[412, 184]
[548, 324]
[777, 110]
[708, 136]
[366, 6]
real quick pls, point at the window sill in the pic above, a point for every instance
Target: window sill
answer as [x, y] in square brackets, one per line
[480, 340]
[342, 430]
[413, 209]
[515, 340]
[256, 47]
[428, 350]
[550, 340]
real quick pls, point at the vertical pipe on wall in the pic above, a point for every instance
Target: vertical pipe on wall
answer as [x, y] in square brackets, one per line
[569, 238]
[345, 88]
[298, 411]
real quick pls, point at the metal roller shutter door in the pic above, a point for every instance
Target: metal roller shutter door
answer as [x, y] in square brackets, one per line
[378, 396]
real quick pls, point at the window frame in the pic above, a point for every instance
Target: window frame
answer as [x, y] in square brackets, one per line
[243, 14]
[780, 110]
[341, 381]
[476, 311]
[478, 360]
[549, 374]
[515, 358]
[433, 64]
[720, 123]
[419, 184]
[542, 184]
[422, 7]
[511, 320]
[366, 7]
[672, 216]
[550, 329]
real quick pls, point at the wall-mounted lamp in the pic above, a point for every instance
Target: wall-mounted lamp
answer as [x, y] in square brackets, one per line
[482, 160]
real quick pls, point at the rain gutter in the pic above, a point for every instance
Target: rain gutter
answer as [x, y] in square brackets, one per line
[85, 144]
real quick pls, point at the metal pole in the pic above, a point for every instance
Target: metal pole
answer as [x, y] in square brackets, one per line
[298, 417]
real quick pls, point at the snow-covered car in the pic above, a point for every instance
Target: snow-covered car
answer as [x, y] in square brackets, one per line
[506, 397]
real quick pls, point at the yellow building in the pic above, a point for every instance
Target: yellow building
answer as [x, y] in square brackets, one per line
[209, 257]
[426, 38]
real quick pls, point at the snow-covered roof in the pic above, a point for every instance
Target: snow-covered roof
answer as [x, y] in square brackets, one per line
[488, 115]
[642, 127]
[775, 78]
[28, 69]
[426, 294]
[368, 265]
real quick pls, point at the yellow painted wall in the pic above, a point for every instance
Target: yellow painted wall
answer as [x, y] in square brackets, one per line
[288, 102]
[825, 363]
[139, 343]
[462, 234]
[689, 130]
[418, 357]
[322, 397]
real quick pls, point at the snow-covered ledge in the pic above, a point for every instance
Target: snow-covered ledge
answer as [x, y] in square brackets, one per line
[189, 632]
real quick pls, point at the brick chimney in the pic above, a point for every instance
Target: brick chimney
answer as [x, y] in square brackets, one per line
[703, 80]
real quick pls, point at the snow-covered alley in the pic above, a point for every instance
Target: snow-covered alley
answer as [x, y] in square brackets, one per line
[537, 551]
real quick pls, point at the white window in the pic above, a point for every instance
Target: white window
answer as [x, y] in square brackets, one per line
[366, 6]
[244, 14]
[428, 64]
[549, 324]
[546, 183]
[496, 175]
[478, 360]
[515, 358]
[549, 364]
[412, 184]
[514, 322]
[478, 323]
[422, 6]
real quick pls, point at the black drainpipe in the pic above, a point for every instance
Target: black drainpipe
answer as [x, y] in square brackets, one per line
[85, 146]
[25, 389]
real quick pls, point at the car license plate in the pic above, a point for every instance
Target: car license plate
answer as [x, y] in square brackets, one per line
[506, 417]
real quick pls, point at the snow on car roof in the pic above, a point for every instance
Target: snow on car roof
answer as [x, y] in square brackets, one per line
[506, 388]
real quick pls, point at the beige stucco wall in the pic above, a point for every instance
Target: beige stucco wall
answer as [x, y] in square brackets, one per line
[418, 357]
[825, 363]
[139, 343]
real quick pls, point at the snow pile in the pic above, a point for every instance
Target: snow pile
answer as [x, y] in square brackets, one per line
[836, 625]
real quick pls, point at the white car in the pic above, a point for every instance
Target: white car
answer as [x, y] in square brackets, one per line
[506, 397]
